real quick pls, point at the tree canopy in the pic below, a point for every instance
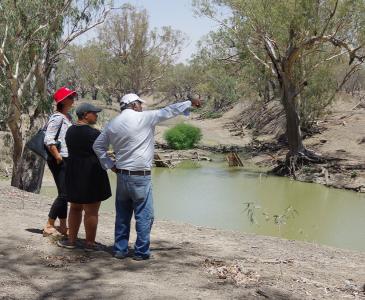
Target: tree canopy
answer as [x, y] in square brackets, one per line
[294, 42]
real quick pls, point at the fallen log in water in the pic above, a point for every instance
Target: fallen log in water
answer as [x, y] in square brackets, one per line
[162, 163]
[234, 160]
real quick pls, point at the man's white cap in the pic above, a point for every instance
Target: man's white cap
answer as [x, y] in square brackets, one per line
[129, 98]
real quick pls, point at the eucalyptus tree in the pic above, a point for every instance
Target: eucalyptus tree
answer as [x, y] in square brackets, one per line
[33, 34]
[216, 82]
[291, 40]
[181, 81]
[80, 68]
[138, 56]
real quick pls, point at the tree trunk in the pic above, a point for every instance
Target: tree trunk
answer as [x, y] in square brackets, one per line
[28, 168]
[293, 131]
[109, 100]
[94, 93]
[14, 123]
[30, 172]
[298, 155]
[82, 93]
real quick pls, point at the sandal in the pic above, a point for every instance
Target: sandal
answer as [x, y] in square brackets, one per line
[50, 230]
[63, 231]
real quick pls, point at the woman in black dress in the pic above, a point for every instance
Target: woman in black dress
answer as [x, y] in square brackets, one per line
[87, 183]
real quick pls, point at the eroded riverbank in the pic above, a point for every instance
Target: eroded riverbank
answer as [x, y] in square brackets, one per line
[189, 262]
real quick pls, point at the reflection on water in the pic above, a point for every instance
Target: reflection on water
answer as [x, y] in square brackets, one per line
[215, 196]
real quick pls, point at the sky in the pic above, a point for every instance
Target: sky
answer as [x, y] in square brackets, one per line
[179, 15]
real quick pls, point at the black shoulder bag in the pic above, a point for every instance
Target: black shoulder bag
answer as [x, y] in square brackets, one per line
[36, 143]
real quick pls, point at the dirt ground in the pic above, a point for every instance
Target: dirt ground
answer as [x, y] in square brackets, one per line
[342, 137]
[188, 262]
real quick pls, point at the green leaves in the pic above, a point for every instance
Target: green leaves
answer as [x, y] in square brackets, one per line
[183, 136]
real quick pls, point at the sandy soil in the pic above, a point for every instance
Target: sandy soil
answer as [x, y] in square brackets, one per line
[188, 262]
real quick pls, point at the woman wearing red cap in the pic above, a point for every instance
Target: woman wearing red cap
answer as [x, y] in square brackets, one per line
[54, 140]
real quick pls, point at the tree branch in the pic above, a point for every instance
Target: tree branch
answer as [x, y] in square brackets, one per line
[328, 59]
[261, 61]
[270, 49]
[16, 74]
[329, 19]
[5, 36]
[28, 77]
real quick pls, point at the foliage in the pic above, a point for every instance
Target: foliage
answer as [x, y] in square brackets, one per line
[215, 82]
[181, 82]
[183, 136]
[294, 52]
[81, 69]
[33, 35]
[127, 56]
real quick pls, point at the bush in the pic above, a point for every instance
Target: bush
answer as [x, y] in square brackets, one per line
[183, 136]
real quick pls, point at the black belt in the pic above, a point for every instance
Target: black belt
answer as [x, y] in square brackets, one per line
[140, 173]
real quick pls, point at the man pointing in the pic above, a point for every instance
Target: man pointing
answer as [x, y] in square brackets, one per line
[131, 134]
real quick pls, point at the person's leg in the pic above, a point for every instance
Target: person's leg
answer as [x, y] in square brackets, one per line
[62, 196]
[143, 212]
[74, 221]
[52, 215]
[91, 222]
[124, 211]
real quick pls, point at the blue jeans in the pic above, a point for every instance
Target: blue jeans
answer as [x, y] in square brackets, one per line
[134, 194]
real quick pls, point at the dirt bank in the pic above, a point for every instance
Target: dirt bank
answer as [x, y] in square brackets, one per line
[339, 136]
[188, 262]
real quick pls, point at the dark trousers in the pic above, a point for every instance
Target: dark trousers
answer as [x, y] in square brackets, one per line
[59, 206]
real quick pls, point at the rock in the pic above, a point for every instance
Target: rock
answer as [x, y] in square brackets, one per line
[361, 141]
[341, 150]
[272, 293]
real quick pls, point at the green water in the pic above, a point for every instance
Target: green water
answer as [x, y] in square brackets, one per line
[215, 196]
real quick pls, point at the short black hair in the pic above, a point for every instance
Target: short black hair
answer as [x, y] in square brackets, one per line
[81, 116]
[60, 106]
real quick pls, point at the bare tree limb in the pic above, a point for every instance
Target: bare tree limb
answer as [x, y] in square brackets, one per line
[27, 78]
[332, 14]
[329, 59]
[74, 35]
[261, 60]
[16, 74]
[5, 36]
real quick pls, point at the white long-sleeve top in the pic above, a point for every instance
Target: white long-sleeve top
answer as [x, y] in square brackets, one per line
[131, 135]
[56, 121]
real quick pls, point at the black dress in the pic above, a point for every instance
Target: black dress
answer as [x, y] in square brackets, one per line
[86, 181]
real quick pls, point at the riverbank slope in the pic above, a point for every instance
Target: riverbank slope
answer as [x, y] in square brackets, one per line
[188, 262]
[338, 136]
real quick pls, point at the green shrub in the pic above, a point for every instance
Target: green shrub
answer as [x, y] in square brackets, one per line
[183, 136]
[354, 174]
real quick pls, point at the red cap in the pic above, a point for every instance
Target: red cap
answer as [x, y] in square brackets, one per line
[62, 93]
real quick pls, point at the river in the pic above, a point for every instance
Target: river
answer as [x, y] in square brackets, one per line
[214, 195]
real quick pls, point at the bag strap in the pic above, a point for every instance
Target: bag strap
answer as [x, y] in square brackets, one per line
[58, 131]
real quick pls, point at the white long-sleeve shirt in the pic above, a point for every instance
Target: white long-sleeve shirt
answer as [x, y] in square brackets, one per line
[55, 122]
[131, 135]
